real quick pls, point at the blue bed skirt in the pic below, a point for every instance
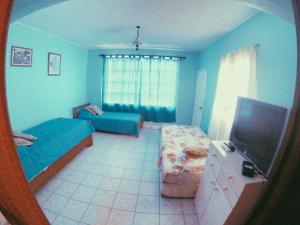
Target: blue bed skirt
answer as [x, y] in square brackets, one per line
[55, 138]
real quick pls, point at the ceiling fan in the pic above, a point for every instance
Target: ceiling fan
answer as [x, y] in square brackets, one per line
[137, 42]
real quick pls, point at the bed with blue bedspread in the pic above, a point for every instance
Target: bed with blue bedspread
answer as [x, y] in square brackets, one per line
[114, 122]
[55, 138]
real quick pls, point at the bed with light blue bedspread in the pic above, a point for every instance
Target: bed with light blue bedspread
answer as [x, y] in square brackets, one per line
[114, 122]
[55, 138]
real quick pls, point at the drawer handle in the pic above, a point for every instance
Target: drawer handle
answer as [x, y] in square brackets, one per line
[230, 177]
[225, 188]
[211, 164]
[212, 182]
[214, 154]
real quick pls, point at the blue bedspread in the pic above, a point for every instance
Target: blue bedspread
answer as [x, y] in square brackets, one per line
[55, 138]
[115, 122]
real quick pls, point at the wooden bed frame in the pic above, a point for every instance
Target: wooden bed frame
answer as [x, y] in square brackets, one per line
[47, 174]
[77, 108]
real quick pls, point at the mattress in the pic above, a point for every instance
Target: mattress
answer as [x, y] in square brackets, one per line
[55, 138]
[180, 174]
[115, 122]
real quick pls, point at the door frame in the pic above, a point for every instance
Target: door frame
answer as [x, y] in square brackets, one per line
[197, 76]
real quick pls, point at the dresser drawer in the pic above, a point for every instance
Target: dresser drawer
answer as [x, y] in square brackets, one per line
[218, 208]
[230, 194]
[214, 161]
[215, 155]
[234, 178]
[207, 183]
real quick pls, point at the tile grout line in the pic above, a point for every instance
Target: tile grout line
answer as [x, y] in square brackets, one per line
[59, 214]
[88, 202]
[141, 169]
[137, 198]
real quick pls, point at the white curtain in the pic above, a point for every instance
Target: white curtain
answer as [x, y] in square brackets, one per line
[237, 77]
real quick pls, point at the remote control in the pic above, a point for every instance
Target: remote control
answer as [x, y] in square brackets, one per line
[230, 146]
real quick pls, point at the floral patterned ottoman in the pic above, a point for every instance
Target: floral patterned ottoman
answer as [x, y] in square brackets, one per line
[180, 174]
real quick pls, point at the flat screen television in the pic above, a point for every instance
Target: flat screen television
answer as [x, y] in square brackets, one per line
[257, 132]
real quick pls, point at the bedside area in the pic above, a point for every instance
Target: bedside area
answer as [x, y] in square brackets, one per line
[224, 195]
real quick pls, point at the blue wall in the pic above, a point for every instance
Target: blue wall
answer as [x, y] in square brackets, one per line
[187, 77]
[33, 96]
[276, 60]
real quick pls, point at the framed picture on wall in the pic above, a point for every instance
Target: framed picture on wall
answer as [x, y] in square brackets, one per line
[21, 56]
[54, 61]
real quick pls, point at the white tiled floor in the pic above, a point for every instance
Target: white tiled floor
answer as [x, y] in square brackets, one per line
[114, 182]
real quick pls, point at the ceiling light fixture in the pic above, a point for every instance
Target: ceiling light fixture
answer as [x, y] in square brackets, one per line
[137, 41]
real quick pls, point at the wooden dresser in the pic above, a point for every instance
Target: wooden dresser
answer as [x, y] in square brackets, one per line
[224, 195]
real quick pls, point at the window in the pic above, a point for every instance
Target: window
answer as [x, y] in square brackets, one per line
[237, 77]
[121, 81]
[140, 81]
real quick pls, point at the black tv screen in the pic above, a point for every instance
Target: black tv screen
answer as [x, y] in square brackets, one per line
[257, 131]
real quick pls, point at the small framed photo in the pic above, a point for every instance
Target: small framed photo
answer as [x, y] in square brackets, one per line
[54, 61]
[21, 56]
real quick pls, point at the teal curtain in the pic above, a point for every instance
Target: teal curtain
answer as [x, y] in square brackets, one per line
[141, 84]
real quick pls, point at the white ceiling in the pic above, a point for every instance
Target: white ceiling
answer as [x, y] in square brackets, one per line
[281, 8]
[22, 8]
[188, 25]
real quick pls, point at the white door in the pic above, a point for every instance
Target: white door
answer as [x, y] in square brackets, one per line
[199, 97]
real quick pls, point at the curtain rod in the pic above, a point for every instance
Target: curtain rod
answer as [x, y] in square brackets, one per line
[257, 45]
[179, 57]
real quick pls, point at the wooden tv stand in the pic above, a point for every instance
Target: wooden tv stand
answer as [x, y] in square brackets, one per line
[224, 195]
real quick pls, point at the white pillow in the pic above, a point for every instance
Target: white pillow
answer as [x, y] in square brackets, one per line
[22, 142]
[91, 110]
[97, 109]
[28, 137]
